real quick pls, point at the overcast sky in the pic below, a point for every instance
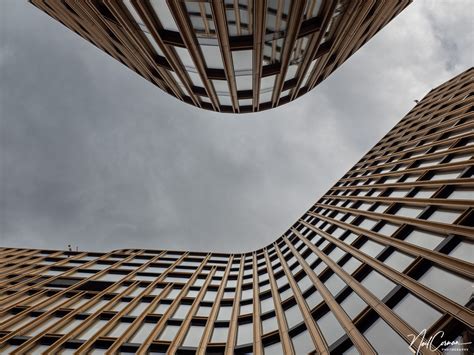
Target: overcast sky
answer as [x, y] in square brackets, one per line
[93, 155]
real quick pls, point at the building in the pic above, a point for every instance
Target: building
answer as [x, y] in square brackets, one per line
[228, 56]
[385, 253]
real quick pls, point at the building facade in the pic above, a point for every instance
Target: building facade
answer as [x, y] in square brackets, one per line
[233, 56]
[384, 255]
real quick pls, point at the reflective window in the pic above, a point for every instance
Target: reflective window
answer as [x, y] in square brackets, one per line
[224, 313]
[293, 316]
[118, 330]
[269, 325]
[422, 318]
[424, 239]
[182, 311]
[302, 343]
[399, 261]
[367, 223]
[314, 299]
[139, 309]
[203, 311]
[463, 251]
[379, 285]
[444, 216]
[274, 349]
[42, 326]
[164, 15]
[330, 328]
[219, 335]
[245, 333]
[351, 265]
[455, 287]
[266, 305]
[334, 284]
[388, 229]
[371, 248]
[353, 305]
[385, 340]
[463, 194]
[92, 329]
[409, 211]
[169, 332]
[193, 337]
[161, 308]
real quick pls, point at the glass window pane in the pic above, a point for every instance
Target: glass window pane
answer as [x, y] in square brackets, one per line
[455, 287]
[424, 239]
[399, 261]
[245, 333]
[330, 328]
[378, 284]
[422, 318]
[193, 337]
[169, 332]
[302, 343]
[353, 305]
[385, 340]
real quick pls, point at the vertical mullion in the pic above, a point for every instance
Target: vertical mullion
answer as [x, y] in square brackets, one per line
[206, 337]
[293, 25]
[219, 14]
[258, 45]
[280, 314]
[316, 335]
[257, 323]
[189, 38]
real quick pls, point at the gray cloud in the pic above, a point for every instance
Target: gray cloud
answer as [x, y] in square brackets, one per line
[91, 154]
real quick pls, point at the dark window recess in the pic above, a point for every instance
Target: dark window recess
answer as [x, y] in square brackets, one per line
[62, 283]
[94, 285]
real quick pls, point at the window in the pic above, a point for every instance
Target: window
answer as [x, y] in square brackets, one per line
[269, 325]
[293, 316]
[219, 335]
[444, 216]
[372, 248]
[422, 318]
[424, 239]
[118, 330]
[351, 265]
[169, 332]
[193, 337]
[302, 343]
[379, 285]
[181, 311]
[463, 251]
[455, 287]
[224, 313]
[274, 349]
[245, 333]
[92, 329]
[385, 340]
[409, 211]
[335, 284]
[399, 261]
[330, 328]
[353, 305]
